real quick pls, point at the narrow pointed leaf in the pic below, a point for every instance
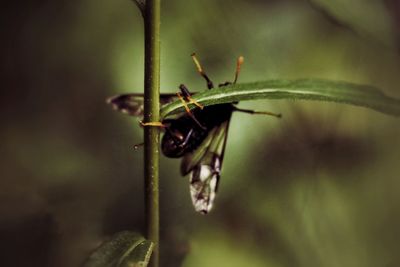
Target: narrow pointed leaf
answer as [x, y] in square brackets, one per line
[138, 257]
[123, 249]
[305, 89]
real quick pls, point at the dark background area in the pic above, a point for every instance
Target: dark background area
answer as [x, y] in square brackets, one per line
[319, 187]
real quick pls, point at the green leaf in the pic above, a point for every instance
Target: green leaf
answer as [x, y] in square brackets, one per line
[122, 250]
[305, 89]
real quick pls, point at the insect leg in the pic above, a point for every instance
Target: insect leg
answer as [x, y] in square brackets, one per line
[179, 138]
[278, 115]
[152, 123]
[186, 94]
[165, 124]
[189, 112]
[184, 143]
[210, 84]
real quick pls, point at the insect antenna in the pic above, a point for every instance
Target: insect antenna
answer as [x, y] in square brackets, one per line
[210, 84]
[239, 63]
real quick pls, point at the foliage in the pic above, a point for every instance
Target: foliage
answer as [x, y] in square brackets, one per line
[306, 89]
[124, 249]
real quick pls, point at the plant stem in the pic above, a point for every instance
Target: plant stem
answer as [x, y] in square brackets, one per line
[152, 113]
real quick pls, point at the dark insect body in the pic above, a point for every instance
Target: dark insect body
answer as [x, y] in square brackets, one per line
[198, 136]
[184, 135]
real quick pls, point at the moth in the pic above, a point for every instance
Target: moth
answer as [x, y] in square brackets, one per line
[198, 136]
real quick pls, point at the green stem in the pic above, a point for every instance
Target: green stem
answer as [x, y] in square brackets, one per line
[152, 114]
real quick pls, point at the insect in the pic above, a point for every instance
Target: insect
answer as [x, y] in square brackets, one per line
[199, 136]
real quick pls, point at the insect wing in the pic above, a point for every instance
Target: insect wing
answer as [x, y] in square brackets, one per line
[130, 104]
[204, 165]
[133, 104]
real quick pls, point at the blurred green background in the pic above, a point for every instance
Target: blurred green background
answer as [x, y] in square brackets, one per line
[319, 187]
